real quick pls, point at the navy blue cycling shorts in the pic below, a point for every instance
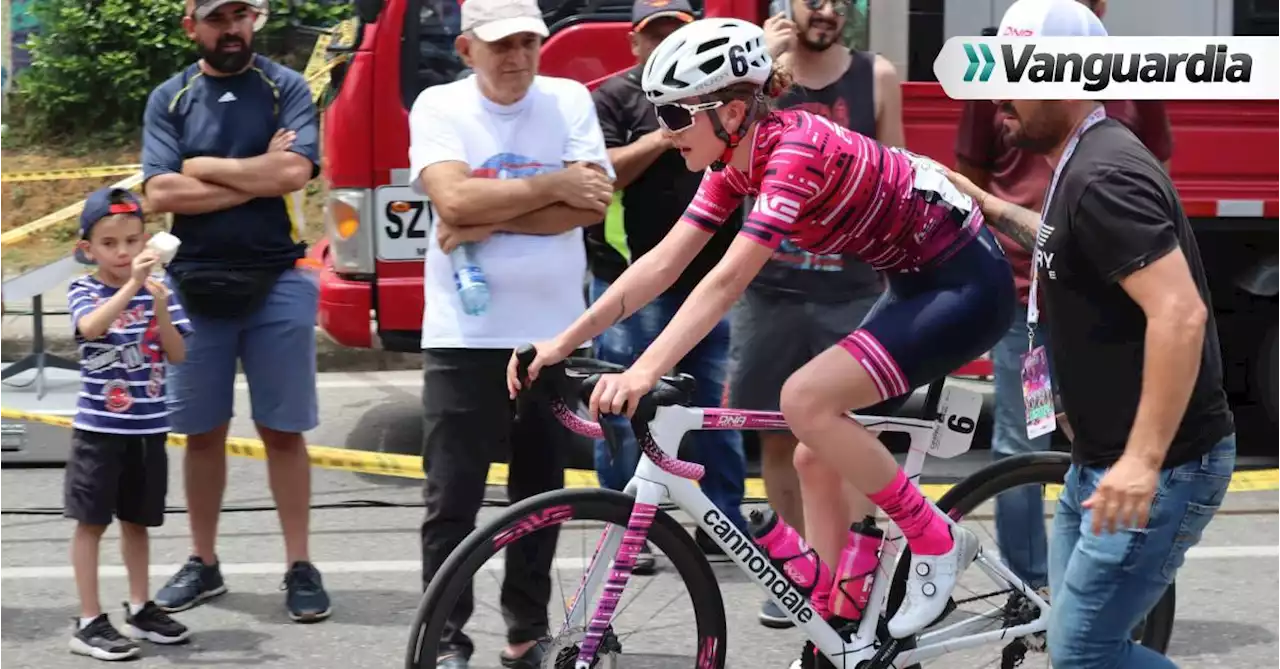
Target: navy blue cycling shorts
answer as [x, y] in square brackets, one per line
[932, 321]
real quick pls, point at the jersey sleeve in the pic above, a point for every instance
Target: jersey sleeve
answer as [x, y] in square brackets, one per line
[714, 203]
[791, 179]
[81, 301]
[176, 313]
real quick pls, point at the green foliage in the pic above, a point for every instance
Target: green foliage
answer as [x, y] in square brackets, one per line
[93, 63]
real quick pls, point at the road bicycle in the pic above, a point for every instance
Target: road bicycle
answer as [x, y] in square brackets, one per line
[635, 516]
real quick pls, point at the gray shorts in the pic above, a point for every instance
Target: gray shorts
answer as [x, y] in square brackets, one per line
[773, 337]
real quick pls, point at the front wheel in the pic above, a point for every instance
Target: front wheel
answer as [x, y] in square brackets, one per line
[972, 501]
[684, 614]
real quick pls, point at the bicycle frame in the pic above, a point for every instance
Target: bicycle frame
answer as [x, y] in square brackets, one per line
[660, 476]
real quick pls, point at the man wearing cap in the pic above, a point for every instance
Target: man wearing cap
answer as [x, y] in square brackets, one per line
[514, 164]
[225, 142]
[655, 188]
[1138, 364]
[985, 154]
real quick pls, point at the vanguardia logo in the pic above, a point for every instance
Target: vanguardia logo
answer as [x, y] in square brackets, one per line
[987, 62]
[1110, 68]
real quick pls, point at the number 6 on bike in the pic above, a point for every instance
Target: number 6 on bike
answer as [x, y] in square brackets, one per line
[958, 417]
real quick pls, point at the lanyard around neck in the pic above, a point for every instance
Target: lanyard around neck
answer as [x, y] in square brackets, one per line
[1033, 310]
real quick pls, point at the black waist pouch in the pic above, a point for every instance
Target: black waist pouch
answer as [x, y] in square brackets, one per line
[225, 293]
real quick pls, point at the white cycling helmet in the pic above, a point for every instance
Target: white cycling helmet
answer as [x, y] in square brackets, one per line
[706, 56]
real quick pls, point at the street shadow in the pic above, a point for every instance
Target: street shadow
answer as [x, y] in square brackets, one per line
[234, 647]
[33, 624]
[220, 647]
[366, 608]
[1196, 638]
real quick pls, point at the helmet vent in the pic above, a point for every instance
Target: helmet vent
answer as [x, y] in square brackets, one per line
[712, 44]
[710, 66]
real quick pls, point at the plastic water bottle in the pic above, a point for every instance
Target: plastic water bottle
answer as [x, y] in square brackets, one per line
[793, 557]
[473, 290]
[856, 570]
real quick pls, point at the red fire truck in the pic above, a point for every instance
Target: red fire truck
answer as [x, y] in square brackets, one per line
[1224, 163]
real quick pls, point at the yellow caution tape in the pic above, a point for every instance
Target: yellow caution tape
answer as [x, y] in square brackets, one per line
[410, 466]
[22, 232]
[70, 173]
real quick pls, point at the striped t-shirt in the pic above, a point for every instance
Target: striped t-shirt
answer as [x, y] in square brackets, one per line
[122, 373]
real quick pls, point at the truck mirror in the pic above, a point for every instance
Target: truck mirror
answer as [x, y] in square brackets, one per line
[367, 10]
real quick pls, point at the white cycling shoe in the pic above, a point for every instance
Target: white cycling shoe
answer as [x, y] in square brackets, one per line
[931, 580]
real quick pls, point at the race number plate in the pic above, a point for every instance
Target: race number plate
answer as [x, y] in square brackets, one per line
[403, 219]
[958, 417]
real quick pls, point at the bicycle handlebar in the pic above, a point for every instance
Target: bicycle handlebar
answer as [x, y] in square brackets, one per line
[578, 377]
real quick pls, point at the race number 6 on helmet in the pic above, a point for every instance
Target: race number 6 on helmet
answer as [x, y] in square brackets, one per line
[699, 60]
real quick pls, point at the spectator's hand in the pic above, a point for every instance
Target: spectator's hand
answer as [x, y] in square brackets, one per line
[282, 140]
[619, 393]
[142, 265]
[1123, 496]
[969, 188]
[583, 187]
[450, 236]
[159, 292]
[549, 353]
[779, 34]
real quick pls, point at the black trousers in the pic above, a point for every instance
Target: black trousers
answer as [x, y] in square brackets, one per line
[469, 420]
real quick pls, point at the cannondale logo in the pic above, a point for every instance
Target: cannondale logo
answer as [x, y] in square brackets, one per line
[1017, 66]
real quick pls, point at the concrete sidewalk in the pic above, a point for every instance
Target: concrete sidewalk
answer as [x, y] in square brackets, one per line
[16, 333]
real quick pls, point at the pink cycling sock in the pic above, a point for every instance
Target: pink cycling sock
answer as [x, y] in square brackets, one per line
[926, 531]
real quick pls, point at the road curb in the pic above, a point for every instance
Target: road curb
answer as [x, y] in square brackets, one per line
[330, 355]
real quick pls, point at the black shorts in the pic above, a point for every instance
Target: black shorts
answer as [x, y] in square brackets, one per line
[121, 475]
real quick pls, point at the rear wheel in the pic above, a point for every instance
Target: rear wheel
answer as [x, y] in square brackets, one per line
[971, 501]
[690, 633]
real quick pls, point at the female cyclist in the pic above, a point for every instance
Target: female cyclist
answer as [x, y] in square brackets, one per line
[828, 190]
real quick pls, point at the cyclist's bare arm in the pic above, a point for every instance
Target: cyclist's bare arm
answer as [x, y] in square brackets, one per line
[648, 277]
[706, 306]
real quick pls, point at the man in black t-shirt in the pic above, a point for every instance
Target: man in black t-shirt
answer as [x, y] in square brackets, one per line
[1135, 359]
[656, 187]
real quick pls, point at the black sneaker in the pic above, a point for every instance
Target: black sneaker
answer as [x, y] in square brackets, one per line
[772, 616]
[646, 564]
[100, 640]
[195, 583]
[532, 658]
[306, 599]
[153, 625]
[709, 547]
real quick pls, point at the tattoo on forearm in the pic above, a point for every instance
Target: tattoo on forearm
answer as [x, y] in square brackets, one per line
[1019, 224]
[622, 310]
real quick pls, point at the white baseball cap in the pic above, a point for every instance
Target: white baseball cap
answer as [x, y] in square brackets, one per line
[1050, 18]
[492, 20]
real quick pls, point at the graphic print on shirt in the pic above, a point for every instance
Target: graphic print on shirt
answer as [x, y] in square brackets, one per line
[886, 207]
[511, 166]
[122, 373]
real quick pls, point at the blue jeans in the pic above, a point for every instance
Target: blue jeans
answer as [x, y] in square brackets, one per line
[1020, 532]
[1101, 586]
[718, 451]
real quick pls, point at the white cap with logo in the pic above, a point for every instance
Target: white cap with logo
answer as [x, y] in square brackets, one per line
[1050, 18]
[492, 20]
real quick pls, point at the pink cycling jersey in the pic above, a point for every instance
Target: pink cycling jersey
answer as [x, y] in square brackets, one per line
[831, 190]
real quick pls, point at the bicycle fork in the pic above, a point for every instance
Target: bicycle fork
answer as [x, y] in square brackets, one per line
[622, 546]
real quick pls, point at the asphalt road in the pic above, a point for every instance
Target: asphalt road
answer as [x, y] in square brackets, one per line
[1227, 608]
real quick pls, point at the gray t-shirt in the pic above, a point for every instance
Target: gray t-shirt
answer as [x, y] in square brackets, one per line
[797, 274]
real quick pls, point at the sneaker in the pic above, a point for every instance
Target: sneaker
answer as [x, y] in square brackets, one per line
[709, 547]
[772, 616]
[646, 564]
[153, 625]
[532, 658]
[452, 661]
[930, 582]
[195, 583]
[307, 601]
[100, 640]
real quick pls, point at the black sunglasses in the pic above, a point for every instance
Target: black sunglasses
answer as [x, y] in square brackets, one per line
[677, 117]
[840, 7]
